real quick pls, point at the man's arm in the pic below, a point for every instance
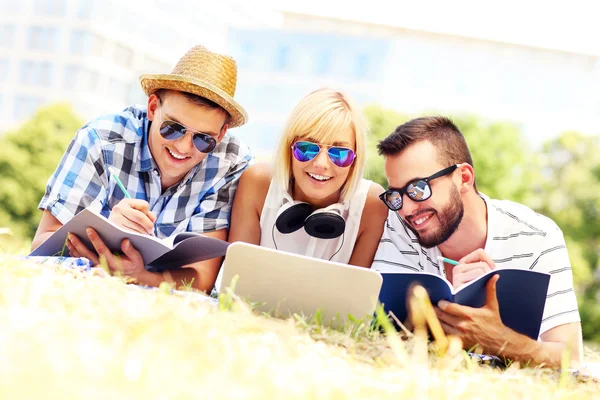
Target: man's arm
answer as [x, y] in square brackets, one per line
[483, 327]
[75, 184]
[48, 225]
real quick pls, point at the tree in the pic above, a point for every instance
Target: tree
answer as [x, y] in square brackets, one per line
[28, 156]
[505, 166]
[570, 195]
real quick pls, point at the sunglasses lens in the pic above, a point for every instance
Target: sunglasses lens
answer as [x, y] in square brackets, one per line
[204, 143]
[393, 200]
[171, 130]
[419, 191]
[341, 156]
[305, 151]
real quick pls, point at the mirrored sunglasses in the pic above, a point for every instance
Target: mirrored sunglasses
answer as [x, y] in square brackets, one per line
[419, 190]
[341, 156]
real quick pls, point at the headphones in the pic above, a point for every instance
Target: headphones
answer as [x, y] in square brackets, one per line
[324, 223]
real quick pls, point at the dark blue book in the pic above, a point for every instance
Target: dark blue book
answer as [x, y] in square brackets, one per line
[521, 295]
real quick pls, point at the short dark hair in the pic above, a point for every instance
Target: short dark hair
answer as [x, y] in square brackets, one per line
[440, 131]
[195, 99]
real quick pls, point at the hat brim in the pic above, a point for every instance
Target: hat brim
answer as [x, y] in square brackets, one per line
[153, 82]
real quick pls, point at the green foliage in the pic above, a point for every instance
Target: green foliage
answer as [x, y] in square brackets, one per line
[28, 156]
[504, 165]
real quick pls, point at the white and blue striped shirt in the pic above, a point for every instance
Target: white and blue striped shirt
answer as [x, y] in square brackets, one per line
[518, 237]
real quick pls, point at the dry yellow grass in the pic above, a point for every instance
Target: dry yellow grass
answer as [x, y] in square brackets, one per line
[66, 334]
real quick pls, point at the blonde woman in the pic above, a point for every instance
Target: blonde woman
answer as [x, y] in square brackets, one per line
[313, 200]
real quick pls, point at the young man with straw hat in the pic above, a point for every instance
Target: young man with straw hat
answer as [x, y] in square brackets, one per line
[173, 158]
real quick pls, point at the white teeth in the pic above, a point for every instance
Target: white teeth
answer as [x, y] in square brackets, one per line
[421, 220]
[177, 156]
[321, 178]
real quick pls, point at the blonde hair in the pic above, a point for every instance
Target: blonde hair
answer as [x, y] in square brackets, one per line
[320, 116]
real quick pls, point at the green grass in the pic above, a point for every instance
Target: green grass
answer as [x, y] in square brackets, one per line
[67, 334]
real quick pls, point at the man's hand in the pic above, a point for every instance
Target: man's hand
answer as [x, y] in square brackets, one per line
[471, 267]
[133, 214]
[130, 263]
[476, 326]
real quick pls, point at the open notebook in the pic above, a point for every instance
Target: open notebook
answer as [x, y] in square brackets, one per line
[159, 254]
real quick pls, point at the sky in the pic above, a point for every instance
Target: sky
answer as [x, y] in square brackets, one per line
[563, 25]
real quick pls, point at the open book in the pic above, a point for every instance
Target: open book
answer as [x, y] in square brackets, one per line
[521, 295]
[159, 254]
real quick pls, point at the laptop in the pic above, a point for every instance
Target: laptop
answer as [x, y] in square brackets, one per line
[288, 283]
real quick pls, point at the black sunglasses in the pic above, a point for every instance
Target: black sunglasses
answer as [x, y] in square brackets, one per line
[418, 190]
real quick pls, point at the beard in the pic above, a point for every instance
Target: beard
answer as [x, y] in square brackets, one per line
[449, 219]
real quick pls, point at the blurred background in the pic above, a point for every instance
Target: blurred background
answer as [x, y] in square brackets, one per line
[520, 78]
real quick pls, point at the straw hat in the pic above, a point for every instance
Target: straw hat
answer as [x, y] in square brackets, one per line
[203, 73]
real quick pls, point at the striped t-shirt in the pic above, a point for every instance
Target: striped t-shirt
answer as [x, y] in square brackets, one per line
[517, 237]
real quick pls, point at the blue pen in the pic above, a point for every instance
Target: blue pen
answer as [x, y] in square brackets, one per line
[447, 260]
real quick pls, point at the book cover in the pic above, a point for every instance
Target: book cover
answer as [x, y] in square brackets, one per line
[521, 295]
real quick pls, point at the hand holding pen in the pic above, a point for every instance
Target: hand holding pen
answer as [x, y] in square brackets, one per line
[470, 267]
[133, 214]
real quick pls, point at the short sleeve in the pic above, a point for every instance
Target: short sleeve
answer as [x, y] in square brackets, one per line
[80, 179]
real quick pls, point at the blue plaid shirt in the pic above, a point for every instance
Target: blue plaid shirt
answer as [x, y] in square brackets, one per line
[201, 202]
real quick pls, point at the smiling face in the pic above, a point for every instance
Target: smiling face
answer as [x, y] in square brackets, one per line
[175, 158]
[319, 181]
[434, 220]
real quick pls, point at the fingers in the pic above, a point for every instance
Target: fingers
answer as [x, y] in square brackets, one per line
[449, 329]
[100, 247]
[78, 249]
[477, 256]
[131, 253]
[446, 318]
[464, 273]
[133, 214]
[491, 296]
[140, 205]
[455, 309]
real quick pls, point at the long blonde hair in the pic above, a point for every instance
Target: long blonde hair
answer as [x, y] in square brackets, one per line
[320, 116]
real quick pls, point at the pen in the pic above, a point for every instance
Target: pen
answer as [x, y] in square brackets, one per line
[449, 261]
[114, 175]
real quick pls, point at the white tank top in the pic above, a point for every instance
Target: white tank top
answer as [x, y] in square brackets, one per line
[299, 242]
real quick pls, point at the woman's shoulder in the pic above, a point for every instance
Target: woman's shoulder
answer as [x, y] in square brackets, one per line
[259, 173]
[373, 204]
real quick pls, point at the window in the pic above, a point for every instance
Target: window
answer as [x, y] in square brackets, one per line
[282, 58]
[71, 77]
[84, 9]
[42, 38]
[362, 66]
[80, 42]
[88, 79]
[25, 106]
[117, 89]
[11, 7]
[246, 53]
[49, 8]
[123, 55]
[36, 73]
[323, 62]
[7, 36]
[4, 69]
